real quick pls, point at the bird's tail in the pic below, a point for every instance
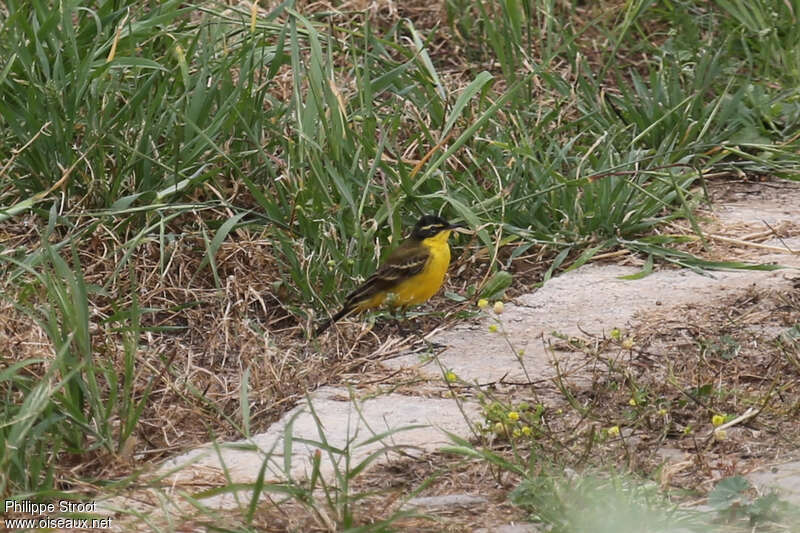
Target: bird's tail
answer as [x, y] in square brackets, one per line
[329, 322]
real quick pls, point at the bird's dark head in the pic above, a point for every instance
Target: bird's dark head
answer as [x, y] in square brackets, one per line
[430, 226]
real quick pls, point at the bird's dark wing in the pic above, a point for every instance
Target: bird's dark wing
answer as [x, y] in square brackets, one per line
[404, 262]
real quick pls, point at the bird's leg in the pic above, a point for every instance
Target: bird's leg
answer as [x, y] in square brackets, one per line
[400, 318]
[431, 345]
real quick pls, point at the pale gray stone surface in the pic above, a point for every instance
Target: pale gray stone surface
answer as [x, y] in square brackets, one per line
[590, 300]
[342, 426]
[781, 477]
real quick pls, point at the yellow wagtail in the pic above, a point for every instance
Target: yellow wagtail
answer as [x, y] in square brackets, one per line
[412, 273]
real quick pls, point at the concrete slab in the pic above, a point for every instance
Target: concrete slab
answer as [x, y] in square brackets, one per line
[590, 300]
[408, 424]
[782, 477]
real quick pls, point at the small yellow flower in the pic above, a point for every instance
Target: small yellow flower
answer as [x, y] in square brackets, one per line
[516, 433]
[613, 431]
[662, 411]
[492, 328]
[521, 352]
[717, 420]
[616, 334]
[526, 431]
[482, 303]
[450, 376]
[513, 416]
[499, 428]
[498, 307]
[633, 402]
[720, 434]
[627, 343]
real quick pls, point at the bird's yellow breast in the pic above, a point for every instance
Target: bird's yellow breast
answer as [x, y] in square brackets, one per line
[420, 288]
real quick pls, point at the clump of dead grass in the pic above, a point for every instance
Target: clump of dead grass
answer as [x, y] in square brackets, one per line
[197, 338]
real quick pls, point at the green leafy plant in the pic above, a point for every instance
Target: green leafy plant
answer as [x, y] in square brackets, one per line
[80, 404]
[596, 504]
[731, 499]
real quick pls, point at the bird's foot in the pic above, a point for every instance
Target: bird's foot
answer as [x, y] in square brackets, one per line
[438, 346]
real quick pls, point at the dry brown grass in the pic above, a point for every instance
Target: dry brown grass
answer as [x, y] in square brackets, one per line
[198, 339]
